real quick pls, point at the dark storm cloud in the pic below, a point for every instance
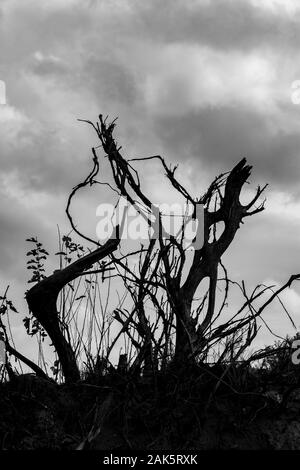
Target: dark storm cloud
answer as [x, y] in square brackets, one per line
[224, 24]
[103, 56]
[215, 139]
[55, 75]
[109, 81]
[49, 66]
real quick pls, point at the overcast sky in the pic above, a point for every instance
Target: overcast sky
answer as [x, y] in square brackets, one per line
[202, 82]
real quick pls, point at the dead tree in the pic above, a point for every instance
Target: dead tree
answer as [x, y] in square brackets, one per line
[164, 273]
[162, 268]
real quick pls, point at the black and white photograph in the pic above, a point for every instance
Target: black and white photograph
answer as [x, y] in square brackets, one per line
[149, 229]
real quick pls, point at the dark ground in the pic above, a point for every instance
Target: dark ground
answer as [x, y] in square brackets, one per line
[254, 409]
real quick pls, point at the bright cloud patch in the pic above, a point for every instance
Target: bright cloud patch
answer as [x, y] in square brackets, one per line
[185, 78]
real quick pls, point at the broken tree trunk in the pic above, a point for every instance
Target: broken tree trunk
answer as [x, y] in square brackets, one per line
[42, 300]
[190, 338]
